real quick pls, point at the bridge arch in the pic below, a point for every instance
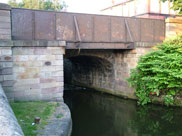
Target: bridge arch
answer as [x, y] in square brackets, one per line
[89, 70]
[103, 70]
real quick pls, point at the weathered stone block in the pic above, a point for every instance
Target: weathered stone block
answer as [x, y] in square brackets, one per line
[6, 52]
[51, 85]
[57, 73]
[7, 64]
[59, 57]
[47, 80]
[45, 74]
[60, 79]
[48, 69]
[6, 71]
[57, 50]
[6, 58]
[9, 77]
[28, 64]
[28, 87]
[21, 82]
[41, 51]
[5, 31]
[8, 89]
[4, 25]
[59, 68]
[32, 70]
[4, 13]
[46, 97]
[51, 90]
[1, 78]
[10, 96]
[18, 69]
[57, 63]
[7, 83]
[20, 58]
[33, 92]
[33, 97]
[5, 37]
[33, 57]
[23, 51]
[57, 96]
[46, 57]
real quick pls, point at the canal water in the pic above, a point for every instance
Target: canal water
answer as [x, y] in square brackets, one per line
[97, 114]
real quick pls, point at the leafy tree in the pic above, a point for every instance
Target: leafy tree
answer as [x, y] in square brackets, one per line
[177, 5]
[39, 4]
[13, 3]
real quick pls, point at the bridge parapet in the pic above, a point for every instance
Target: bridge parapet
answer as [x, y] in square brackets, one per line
[85, 30]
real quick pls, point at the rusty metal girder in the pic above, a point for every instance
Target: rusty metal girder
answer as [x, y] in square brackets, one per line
[73, 27]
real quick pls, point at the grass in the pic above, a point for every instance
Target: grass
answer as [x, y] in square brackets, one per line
[25, 113]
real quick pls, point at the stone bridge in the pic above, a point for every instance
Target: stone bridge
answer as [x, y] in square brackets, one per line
[93, 50]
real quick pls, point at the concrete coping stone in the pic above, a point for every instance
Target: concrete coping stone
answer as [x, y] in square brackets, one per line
[8, 123]
[32, 43]
[174, 20]
[146, 44]
[4, 6]
[58, 126]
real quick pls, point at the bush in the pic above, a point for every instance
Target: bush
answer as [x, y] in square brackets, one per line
[159, 72]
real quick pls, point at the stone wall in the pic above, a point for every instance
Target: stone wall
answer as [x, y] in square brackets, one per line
[104, 70]
[173, 27]
[5, 22]
[32, 70]
[38, 72]
[6, 68]
[8, 123]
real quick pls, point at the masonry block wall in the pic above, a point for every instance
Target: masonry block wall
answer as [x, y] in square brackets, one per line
[6, 60]
[173, 27]
[5, 22]
[38, 72]
[104, 70]
[32, 70]
[6, 71]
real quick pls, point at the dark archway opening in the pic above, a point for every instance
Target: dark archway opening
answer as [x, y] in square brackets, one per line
[89, 71]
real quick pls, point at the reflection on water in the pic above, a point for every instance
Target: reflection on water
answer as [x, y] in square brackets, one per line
[96, 114]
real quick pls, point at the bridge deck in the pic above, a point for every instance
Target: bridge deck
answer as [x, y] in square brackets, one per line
[85, 31]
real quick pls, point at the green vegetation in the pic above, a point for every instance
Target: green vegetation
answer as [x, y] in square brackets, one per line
[59, 115]
[159, 73]
[26, 112]
[39, 4]
[177, 5]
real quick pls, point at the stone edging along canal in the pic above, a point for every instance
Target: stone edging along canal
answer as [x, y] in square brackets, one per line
[60, 123]
[8, 123]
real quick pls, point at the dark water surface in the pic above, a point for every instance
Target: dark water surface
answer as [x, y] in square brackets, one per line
[96, 114]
